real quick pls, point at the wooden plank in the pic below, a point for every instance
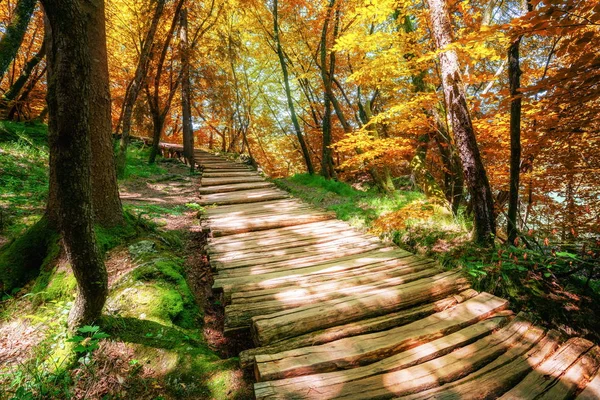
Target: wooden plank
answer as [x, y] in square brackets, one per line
[233, 187]
[320, 227]
[273, 206]
[320, 285]
[592, 390]
[329, 270]
[414, 379]
[239, 315]
[501, 374]
[289, 323]
[576, 378]
[228, 181]
[271, 222]
[248, 287]
[548, 373]
[324, 244]
[329, 383]
[290, 262]
[284, 241]
[387, 321]
[227, 174]
[364, 349]
[243, 196]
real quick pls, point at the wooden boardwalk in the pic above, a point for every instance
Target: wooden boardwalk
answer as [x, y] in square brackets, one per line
[335, 313]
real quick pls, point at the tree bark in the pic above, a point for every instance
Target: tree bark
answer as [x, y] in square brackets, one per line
[159, 114]
[514, 76]
[13, 37]
[136, 86]
[69, 101]
[326, 158]
[288, 93]
[108, 211]
[18, 85]
[188, 132]
[456, 104]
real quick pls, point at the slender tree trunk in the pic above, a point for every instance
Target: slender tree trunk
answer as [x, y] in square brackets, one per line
[69, 102]
[13, 36]
[456, 103]
[288, 93]
[108, 211]
[514, 76]
[188, 132]
[326, 157]
[16, 87]
[136, 86]
[159, 114]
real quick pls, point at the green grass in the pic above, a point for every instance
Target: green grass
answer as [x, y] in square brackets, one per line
[359, 207]
[137, 163]
[23, 175]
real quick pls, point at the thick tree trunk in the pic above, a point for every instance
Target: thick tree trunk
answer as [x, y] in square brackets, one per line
[108, 211]
[514, 76]
[456, 104]
[136, 86]
[188, 132]
[288, 93]
[69, 104]
[13, 37]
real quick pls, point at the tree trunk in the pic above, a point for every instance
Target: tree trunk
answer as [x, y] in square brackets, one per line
[108, 211]
[136, 86]
[13, 36]
[288, 93]
[69, 101]
[18, 85]
[514, 76]
[456, 104]
[326, 158]
[160, 114]
[188, 132]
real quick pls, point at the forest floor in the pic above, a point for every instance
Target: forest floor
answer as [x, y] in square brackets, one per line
[161, 333]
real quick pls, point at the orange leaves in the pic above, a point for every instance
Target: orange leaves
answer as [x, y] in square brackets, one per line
[397, 220]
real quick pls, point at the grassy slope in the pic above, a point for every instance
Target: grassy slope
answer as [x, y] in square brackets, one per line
[156, 347]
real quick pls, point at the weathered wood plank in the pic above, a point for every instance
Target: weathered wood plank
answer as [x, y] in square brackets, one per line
[228, 181]
[285, 241]
[320, 227]
[321, 284]
[501, 374]
[369, 325]
[227, 174]
[289, 323]
[416, 378]
[273, 206]
[243, 196]
[546, 375]
[244, 256]
[348, 266]
[233, 187]
[239, 315]
[270, 222]
[329, 383]
[293, 261]
[592, 390]
[365, 349]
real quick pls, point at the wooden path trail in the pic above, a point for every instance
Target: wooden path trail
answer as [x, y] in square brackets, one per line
[335, 313]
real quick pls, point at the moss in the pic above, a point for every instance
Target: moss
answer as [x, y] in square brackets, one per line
[109, 238]
[22, 259]
[61, 286]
